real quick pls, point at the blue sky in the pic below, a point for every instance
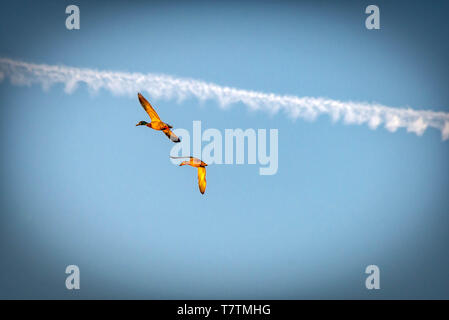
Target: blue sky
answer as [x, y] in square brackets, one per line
[82, 185]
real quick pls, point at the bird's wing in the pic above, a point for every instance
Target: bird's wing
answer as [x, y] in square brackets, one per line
[202, 179]
[173, 137]
[148, 108]
[194, 162]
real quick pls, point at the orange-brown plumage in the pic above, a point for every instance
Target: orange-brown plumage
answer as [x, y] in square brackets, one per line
[156, 123]
[196, 163]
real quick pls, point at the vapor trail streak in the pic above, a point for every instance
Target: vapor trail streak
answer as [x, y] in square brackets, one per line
[169, 87]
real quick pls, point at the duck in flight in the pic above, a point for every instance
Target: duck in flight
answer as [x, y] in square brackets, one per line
[156, 122]
[196, 163]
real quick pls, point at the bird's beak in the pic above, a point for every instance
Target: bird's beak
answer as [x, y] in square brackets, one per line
[137, 125]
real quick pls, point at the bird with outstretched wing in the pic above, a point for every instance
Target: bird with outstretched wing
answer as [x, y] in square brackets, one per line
[156, 122]
[196, 163]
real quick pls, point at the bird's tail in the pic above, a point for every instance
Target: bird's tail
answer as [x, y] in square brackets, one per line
[173, 137]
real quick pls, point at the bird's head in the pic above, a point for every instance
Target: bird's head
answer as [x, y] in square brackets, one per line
[142, 123]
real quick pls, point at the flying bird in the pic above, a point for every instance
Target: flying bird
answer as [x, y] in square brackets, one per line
[197, 163]
[156, 122]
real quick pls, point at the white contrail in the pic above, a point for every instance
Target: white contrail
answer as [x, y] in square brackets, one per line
[165, 86]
